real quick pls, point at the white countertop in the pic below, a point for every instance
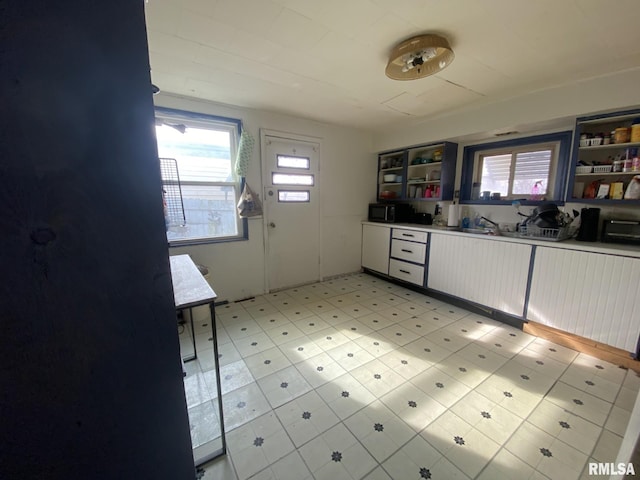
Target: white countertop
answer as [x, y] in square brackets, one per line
[594, 247]
[189, 286]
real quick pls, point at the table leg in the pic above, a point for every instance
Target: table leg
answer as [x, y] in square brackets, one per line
[218, 384]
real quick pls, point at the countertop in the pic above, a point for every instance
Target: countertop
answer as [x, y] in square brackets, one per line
[189, 286]
[594, 247]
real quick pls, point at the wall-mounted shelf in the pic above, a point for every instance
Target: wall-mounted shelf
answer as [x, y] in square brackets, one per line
[422, 162]
[596, 155]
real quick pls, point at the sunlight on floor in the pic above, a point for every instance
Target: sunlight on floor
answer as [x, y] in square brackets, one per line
[356, 378]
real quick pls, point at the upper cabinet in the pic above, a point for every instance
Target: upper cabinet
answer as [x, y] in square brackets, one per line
[424, 172]
[603, 158]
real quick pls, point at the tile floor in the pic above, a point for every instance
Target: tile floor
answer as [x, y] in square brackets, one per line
[358, 378]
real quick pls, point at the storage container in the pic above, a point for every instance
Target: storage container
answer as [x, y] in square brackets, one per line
[622, 135]
[635, 130]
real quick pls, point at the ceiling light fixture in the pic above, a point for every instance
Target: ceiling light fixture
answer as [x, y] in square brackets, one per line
[419, 57]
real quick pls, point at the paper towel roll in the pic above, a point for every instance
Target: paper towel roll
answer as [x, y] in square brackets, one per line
[454, 215]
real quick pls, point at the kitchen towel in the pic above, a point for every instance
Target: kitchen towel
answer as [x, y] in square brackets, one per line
[454, 215]
[245, 150]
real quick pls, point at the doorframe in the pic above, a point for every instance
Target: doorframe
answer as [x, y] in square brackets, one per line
[264, 133]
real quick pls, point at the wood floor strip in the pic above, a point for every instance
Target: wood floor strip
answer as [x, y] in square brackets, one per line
[584, 345]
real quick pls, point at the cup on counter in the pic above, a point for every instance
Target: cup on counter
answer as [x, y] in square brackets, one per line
[495, 196]
[485, 195]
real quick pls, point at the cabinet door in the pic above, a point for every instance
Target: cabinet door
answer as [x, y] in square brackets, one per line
[485, 271]
[589, 294]
[375, 247]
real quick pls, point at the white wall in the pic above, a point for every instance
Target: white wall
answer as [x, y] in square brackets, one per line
[348, 179]
[541, 112]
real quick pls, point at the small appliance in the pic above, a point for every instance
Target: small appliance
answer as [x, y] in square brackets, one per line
[589, 219]
[621, 231]
[391, 212]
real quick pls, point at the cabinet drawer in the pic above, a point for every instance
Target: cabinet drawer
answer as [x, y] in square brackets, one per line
[406, 271]
[411, 235]
[410, 251]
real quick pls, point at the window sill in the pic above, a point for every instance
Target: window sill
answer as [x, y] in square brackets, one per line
[205, 241]
[523, 202]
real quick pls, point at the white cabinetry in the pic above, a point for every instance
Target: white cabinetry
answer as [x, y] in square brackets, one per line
[408, 252]
[375, 247]
[484, 271]
[588, 294]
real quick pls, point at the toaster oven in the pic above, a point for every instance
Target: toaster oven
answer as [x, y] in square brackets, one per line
[621, 231]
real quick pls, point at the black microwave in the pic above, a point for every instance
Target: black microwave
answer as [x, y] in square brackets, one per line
[390, 212]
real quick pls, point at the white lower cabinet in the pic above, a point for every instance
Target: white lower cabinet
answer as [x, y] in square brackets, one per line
[592, 295]
[481, 270]
[376, 240]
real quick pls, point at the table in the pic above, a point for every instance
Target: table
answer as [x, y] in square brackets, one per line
[190, 289]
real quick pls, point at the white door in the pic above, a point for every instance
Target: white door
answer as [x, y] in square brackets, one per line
[291, 213]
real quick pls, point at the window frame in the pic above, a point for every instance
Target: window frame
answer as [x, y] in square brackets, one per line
[207, 121]
[556, 192]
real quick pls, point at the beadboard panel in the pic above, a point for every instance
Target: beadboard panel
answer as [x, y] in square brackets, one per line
[490, 273]
[591, 295]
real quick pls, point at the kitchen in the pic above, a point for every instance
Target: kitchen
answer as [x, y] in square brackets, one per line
[348, 160]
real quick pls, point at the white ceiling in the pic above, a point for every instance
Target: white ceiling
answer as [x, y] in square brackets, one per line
[325, 59]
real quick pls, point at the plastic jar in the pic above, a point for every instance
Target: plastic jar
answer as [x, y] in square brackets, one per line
[617, 166]
[635, 130]
[622, 135]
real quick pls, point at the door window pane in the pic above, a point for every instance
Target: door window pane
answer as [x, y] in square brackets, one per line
[287, 161]
[291, 179]
[293, 195]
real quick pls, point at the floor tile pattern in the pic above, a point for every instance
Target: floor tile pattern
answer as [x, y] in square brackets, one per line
[359, 378]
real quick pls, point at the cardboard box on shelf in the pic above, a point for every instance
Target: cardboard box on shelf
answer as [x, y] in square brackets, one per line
[617, 191]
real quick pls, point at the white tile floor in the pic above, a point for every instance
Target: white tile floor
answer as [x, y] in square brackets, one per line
[360, 378]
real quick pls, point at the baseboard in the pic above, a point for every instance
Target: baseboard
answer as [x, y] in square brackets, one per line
[599, 350]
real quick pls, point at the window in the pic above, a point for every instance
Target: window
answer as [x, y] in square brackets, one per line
[204, 150]
[529, 169]
[522, 174]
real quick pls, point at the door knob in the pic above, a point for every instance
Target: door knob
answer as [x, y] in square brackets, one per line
[272, 225]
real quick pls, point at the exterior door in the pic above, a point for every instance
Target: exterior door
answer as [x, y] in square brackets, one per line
[291, 213]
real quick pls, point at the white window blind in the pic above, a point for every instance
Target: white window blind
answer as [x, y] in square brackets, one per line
[523, 173]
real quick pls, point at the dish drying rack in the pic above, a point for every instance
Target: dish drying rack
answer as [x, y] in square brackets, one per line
[550, 234]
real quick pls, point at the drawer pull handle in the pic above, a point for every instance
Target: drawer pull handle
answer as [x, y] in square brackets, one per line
[405, 250]
[407, 235]
[404, 271]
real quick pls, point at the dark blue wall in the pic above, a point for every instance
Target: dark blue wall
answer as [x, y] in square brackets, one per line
[90, 382]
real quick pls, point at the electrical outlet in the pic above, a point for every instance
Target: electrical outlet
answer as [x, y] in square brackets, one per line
[456, 194]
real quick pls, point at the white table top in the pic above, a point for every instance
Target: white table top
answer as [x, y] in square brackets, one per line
[189, 286]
